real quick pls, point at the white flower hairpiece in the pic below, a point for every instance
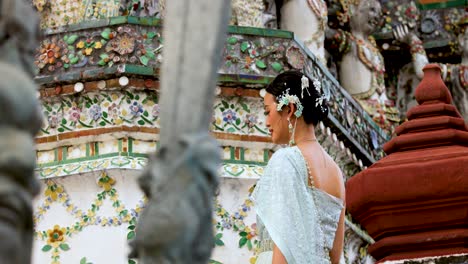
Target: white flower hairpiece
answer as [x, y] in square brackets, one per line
[319, 100]
[304, 85]
[286, 99]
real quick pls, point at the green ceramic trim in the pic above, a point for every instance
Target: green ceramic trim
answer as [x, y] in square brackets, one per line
[442, 5]
[155, 22]
[138, 155]
[244, 78]
[109, 155]
[130, 145]
[233, 153]
[264, 32]
[98, 23]
[64, 153]
[138, 69]
[144, 21]
[129, 154]
[142, 70]
[244, 162]
[88, 152]
[266, 155]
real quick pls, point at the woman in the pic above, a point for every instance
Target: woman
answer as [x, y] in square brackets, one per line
[300, 198]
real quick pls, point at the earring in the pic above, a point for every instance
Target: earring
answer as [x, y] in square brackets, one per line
[290, 126]
[291, 132]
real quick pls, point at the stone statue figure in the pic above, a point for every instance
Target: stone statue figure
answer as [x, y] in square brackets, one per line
[180, 181]
[308, 20]
[20, 120]
[454, 75]
[362, 66]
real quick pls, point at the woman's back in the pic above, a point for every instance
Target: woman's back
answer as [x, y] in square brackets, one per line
[325, 175]
[306, 218]
[304, 222]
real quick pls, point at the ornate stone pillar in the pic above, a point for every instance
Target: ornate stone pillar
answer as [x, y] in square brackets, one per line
[414, 202]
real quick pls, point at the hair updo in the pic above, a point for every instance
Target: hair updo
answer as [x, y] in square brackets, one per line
[291, 80]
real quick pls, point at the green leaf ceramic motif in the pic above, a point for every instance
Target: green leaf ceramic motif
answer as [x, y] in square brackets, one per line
[106, 33]
[232, 40]
[244, 46]
[277, 66]
[46, 248]
[71, 39]
[260, 64]
[131, 235]
[144, 60]
[242, 242]
[64, 247]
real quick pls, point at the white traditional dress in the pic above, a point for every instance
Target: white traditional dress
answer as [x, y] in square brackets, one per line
[299, 219]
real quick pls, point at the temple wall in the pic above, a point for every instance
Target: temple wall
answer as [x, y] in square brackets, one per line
[98, 77]
[93, 147]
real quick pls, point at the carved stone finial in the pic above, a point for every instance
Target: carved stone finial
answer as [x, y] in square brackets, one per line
[432, 88]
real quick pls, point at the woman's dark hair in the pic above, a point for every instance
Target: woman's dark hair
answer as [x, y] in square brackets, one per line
[292, 79]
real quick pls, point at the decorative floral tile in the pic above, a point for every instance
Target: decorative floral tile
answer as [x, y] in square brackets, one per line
[56, 238]
[236, 115]
[95, 110]
[239, 115]
[98, 48]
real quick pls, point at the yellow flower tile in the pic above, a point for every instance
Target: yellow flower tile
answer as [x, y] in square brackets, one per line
[80, 44]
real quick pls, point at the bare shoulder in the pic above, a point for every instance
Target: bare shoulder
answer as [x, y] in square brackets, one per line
[336, 179]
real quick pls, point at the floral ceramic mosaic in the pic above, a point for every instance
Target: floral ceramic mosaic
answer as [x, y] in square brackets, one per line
[55, 239]
[234, 218]
[235, 115]
[261, 56]
[247, 58]
[239, 115]
[58, 238]
[102, 47]
[104, 109]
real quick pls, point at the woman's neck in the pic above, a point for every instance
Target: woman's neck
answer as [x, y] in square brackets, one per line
[304, 132]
